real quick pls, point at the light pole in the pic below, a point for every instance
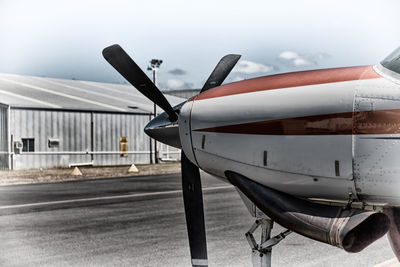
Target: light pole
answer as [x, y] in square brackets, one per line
[154, 65]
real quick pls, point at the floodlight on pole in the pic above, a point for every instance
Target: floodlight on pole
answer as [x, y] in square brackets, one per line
[154, 65]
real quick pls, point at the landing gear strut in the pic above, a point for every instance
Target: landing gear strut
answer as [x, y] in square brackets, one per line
[261, 253]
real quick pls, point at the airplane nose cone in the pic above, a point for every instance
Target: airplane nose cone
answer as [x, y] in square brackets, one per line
[163, 130]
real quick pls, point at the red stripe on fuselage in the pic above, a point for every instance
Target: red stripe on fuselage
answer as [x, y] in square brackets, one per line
[293, 79]
[346, 123]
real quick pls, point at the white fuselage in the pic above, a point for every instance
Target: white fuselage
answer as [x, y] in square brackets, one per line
[302, 134]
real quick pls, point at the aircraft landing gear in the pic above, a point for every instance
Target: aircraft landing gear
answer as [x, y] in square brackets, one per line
[261, 253]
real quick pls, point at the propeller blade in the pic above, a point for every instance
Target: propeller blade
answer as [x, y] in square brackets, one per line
[394, 230]
[221, 71]
[194, 212]
[124, 64]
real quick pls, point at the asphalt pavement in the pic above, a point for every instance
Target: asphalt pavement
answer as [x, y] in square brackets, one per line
[139, 221]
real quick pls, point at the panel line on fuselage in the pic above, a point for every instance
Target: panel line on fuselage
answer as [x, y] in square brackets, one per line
[346, 123]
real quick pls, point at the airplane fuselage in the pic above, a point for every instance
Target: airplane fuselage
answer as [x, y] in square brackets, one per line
[328, 134]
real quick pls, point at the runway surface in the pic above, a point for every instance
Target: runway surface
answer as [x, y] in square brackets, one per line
[139, 221]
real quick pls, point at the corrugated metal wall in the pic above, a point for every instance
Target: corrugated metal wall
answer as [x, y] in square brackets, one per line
[73, 130]
[4, 155]
[108, 128]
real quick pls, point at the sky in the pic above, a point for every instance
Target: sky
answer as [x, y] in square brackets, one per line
[64, 39]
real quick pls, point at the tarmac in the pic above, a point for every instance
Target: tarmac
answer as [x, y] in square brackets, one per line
[139, 221]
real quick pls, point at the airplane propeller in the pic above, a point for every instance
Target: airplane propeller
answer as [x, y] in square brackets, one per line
[124, 64]
[194, 211]
[221, 71]
[191, 183]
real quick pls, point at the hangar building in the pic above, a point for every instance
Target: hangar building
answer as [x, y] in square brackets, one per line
[47, 123]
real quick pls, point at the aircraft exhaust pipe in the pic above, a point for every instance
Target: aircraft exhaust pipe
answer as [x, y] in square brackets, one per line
[350, 229]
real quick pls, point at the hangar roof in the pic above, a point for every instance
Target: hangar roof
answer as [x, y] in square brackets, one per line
[50, 93]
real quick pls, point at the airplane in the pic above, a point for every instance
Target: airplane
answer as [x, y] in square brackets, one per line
[315, 151]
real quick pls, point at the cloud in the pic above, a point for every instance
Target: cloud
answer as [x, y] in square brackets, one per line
[301, 61]
[288, 55]
[250, 67]
[298, 60]
[177, 71]
[177, 84]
